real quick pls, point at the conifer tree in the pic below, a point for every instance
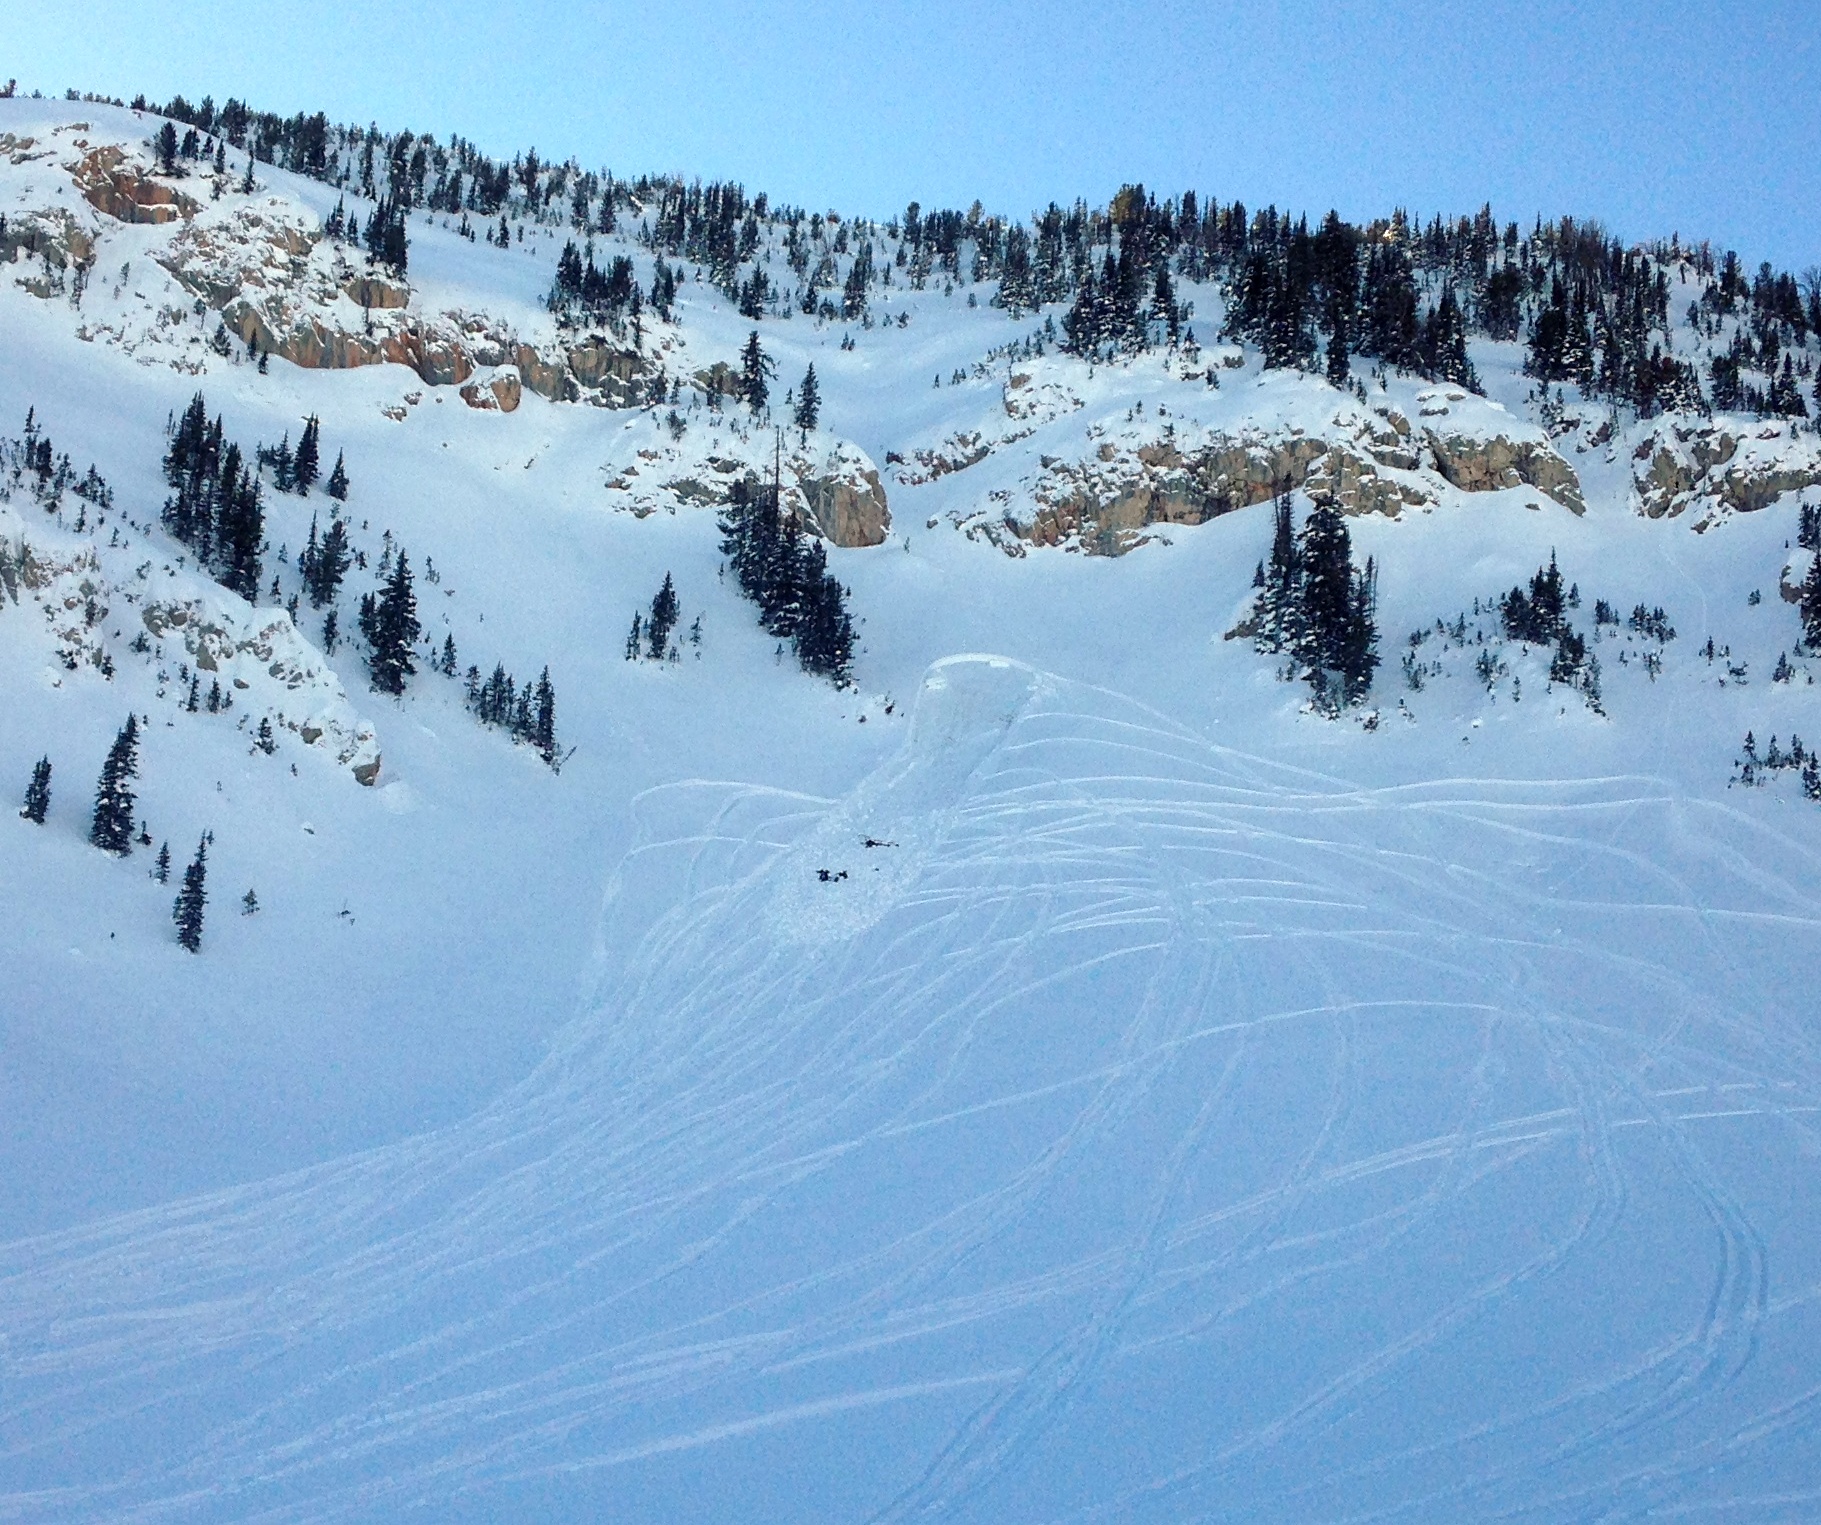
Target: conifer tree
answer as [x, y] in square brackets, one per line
[304, 465]
[38, 792]
[112, 827]
[1810, 606]
[1280, 591]
[187, 909]
[338, 481]
[825, 632]
[543, 726]
[809, 401]
[755, 367]
[664, 612]
[390, 625]
[161, 866]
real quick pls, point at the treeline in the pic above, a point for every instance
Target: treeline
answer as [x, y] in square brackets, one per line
[1392, 290]
[785, 574]
[1315, 606]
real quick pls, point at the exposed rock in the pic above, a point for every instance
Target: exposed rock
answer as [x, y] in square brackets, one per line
[368, 772]
[1487, 465]
[1679, 465]
[616, 375]
[831, 486]
[846, 500]
[1106, 504]
[112, 185]
[51, 235]
[500, 392]
[375, 291]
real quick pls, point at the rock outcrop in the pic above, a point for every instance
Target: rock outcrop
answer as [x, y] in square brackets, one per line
[1489, 465]
[113, 185]
[1712, 467]
[845, 499]
[831, 485]
[1105, 504]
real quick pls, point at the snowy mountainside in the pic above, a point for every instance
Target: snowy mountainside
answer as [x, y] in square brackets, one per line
[1063, 1073]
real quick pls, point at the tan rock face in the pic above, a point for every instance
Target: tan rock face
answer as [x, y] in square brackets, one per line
[500, 393]
[377, 292]
[1487, 465]
[1105, 504]
[1712, 467]
[112, 186]
[51, 234]
[848, 509]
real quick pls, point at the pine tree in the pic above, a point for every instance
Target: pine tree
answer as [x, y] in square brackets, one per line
[755, 367]
[664, 612]
[112, 828]
[38, 792]
[1340, 362]
[324, 563]
[304, 465]
[187, 909]
[809, 401]
[338, 481]
[161, 868]
[543, 726]
[1280, 590]
[1810, 606]
[390, 625]
[633, 639]
[825, 632]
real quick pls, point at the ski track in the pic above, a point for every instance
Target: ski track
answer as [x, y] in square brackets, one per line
[1073, 1101]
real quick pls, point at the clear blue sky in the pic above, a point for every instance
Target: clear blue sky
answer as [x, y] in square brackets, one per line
[1653, 115]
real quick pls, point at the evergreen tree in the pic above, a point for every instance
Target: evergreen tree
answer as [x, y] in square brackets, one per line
[809, 401]
[1340, 361]
[187, 909]
[390, 625]
[664, 612]
[338, 481]
[38, 792]
[161, 866]
[825, 632]
[1810, 606]
[112, 828]
[324, 563]
[1280, 590]
[304, 465]
[633, 639]
[239, 526]
[755, 367]
[543, 726]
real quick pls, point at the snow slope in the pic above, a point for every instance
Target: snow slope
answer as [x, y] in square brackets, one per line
[1185, 1107]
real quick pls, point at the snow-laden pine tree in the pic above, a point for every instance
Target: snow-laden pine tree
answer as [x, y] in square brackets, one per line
[38, 792]
[187, 909]
[112, 827]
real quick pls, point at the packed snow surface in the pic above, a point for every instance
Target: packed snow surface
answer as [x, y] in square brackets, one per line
[1061, 1078]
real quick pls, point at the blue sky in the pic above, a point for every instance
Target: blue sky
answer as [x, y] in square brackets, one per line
[1655, 116]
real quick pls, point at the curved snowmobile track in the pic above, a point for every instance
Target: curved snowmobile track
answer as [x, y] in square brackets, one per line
[1075, 1122]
